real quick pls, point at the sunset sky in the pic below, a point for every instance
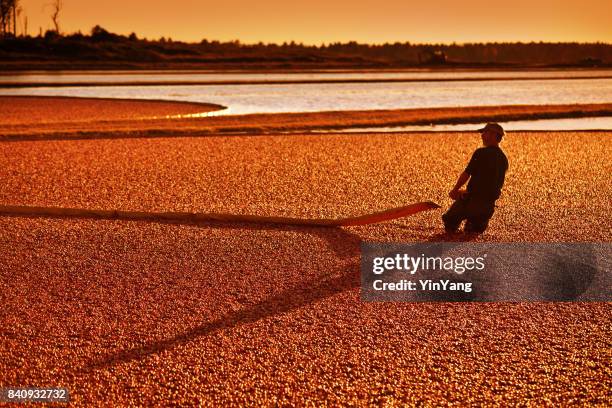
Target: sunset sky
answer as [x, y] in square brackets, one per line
[324, 21]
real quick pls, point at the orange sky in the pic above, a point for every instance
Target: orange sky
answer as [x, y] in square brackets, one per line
[317, 21]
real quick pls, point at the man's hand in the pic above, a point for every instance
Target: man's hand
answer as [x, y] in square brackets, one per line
[456, 194]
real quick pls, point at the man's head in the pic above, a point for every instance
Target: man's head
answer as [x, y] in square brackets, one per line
[492, 134]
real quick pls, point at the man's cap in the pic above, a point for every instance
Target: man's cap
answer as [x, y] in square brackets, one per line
[495, 128]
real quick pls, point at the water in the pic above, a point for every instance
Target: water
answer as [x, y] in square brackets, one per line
[243, 99]
[274, 98]
[599, 123]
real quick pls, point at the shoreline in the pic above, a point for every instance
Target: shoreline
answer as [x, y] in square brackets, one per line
[206, 105]
[278, 66]
[53, 112]
[417, 69]
[13, 85]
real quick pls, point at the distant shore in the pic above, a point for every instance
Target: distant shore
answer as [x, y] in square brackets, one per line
[23, 84]
[103, 50]
[15, 65]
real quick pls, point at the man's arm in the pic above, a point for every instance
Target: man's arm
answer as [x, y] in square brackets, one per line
[455, 194]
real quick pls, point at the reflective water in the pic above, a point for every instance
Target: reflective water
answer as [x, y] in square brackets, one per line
[354, 96]
[599, 123]
[268, 98]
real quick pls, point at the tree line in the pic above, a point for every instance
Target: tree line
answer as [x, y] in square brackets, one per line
[101, 44]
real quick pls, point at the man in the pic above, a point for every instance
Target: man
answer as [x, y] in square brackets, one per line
[486, 172]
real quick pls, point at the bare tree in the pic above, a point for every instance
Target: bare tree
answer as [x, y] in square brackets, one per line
[5, 10]
[8, 17]
[10, 10]
[15, 10]
[57, 7]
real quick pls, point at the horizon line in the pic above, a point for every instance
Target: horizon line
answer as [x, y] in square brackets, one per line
[308, 44]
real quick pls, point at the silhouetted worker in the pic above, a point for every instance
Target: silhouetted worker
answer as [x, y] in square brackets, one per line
[486, 172]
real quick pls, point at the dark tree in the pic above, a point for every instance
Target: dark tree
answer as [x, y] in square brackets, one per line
[7, 8]
[57, 7]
